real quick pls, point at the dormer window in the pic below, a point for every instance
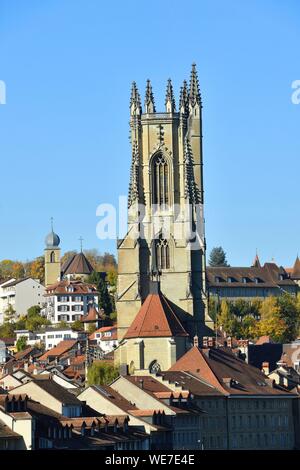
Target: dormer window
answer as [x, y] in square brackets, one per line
[256, 280]
[230, 279]
[244, 280]
[218, 279]
[281, 277]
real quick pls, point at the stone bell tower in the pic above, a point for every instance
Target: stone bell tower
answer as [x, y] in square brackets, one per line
[165, 237]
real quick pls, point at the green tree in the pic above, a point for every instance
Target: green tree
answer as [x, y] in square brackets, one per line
[77, 325]
[217, 257]
[62, 324]
[9, 314]
[227, 321]
[101, 373]
[6, 268]
[37, 269]
[249, 327]
[271, 323]
[34, 320]
[21, 343]
[213, 308]
[289, 312]
[33, 311]
[7, 330]
[104, 299]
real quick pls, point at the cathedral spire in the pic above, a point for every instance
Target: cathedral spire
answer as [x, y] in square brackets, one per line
[194, 92]
[135, 100]
[133, 193]
[170, 100]
[184, 98]
[149, 99]
[191, 190]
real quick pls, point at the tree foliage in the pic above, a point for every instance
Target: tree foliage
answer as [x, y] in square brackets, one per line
[105, 301]
[277, 317]
[21, 343]
[217, 257]
[101, 373]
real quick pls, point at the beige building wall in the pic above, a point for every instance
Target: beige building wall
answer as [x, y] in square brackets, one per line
[52, 265]
[103, 405]
[140, 353]
[38, 394]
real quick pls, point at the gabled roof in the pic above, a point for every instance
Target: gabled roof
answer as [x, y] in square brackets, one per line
[78, 264]
[269, 275]
[59, 350]
[25, 353]
[155, 319]
[92, 316]
[52, 388]
[222, 369]
[71, 288]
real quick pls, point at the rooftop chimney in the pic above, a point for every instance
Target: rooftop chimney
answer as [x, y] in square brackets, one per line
[265, 368]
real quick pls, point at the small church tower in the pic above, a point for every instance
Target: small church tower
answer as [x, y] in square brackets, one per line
[52, 258]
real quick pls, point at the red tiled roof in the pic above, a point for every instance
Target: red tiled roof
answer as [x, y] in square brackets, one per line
[60, 349]
[92, 316]
[79, 287]
[22, 354]
[155, 319]
[104, 329]
[263, 339]
[222, 369]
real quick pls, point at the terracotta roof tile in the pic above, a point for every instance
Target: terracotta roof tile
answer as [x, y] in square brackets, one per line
[155, 319]
[59, 350]
[92, 316]
[79, 287]
[222, 369]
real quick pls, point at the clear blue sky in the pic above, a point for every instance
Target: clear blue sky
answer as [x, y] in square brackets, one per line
[64, 149]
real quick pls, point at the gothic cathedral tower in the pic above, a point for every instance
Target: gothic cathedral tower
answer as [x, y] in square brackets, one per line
[165, 239]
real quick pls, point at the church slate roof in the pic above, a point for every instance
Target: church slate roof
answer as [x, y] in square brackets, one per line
[269, 275]
[155, 319]
[77, 264]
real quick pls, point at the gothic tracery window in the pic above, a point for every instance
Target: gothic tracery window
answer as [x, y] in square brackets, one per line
[162, 251]
[160, 171]
[154, 367]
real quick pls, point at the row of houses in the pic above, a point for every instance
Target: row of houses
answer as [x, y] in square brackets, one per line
[208, 399]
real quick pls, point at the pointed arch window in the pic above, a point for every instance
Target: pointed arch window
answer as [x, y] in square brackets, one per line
[52, 257]
[162, 252]
[160, 172]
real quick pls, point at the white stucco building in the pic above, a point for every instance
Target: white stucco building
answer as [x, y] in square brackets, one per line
[50, 337]
[69, 300]
[21, 294]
